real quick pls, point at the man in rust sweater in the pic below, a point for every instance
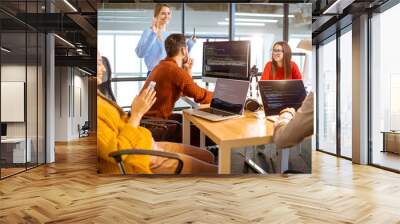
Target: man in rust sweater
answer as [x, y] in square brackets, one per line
[173, 77]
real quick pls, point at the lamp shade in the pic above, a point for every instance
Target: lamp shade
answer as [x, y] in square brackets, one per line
[305, 44]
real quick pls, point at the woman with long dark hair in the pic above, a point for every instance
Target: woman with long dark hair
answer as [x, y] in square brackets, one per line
[105, 86]
[281, 66]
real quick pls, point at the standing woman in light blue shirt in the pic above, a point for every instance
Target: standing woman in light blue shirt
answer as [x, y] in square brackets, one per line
[151, 43]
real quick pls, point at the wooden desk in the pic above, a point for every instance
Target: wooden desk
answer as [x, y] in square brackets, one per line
[238, 132]
[391, 141]
[14, 151]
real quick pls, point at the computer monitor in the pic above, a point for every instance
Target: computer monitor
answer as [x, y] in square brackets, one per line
[3, 129]
[226, 59]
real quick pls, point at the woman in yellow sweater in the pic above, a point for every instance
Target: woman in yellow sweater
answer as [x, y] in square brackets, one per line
[117, 131]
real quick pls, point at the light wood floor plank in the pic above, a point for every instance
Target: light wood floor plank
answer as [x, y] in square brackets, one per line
[70, 191]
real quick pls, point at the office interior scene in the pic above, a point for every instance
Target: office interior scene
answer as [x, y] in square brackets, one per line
[226, 41]
[39, 108]
[50, 74]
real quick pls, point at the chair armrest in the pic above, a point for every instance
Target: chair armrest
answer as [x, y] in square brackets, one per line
[160, 120]
[149, 122]
[117, 155]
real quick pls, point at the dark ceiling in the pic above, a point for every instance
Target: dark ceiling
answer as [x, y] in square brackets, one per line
[76, 23]
[331, 15]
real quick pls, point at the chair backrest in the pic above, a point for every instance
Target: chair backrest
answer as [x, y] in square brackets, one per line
[105, 86]
[86, 125]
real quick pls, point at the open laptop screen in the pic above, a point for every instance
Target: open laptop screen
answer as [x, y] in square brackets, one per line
[230, 95]
[280, 94]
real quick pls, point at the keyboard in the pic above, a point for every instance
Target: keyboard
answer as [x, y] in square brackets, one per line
[216, 112]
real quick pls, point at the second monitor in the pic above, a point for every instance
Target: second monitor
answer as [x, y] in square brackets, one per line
[226, 59]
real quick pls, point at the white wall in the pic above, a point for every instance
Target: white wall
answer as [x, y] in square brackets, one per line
[61, 103]
[80, 110]
[33, 127]
[16, 73]
[13, 73]
[71, 103]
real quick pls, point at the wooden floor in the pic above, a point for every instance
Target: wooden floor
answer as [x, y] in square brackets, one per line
[10, 171]
[70, 191]
[386, 159]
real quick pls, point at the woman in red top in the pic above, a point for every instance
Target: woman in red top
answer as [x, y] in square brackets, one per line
[281, 67]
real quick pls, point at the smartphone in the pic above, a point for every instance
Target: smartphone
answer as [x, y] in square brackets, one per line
[152, 85]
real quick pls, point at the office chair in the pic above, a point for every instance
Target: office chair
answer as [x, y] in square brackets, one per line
[161, 129]
[84, 130]
[117, 155]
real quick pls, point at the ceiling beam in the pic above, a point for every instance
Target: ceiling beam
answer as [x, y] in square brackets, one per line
[82, 61]
[86, 27]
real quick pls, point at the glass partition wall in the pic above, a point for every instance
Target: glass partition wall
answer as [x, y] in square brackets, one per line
[334, 94]
[327, 96]
[385, 89]
[22, 88]
[299, 40]
[261, 31]
[346, 93]
[205, 30]
[335, 137]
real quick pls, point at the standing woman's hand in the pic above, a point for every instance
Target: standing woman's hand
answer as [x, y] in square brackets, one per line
[194, 38]
[141, 104]
[154, 25]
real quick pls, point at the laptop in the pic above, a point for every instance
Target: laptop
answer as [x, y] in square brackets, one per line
[227, 102]
[277, 95]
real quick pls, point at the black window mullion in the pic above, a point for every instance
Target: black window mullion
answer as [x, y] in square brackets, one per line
[286, 22]
[44, 72]
[232, 11]
[338, 94]
[37, 92]
[317, 96]
[369, 83]
[26, 87]
[183, 18]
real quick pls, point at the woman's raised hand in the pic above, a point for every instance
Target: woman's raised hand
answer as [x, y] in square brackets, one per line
[154, 25]
[141, 104]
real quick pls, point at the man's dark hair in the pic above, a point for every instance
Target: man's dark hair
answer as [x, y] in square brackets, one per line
[173, 43]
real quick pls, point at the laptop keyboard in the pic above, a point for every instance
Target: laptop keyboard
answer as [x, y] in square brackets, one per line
[216, 112]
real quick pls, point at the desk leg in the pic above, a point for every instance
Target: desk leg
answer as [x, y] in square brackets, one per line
[284, 163]
[186, 131]
[202, 139]
[224, 159]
